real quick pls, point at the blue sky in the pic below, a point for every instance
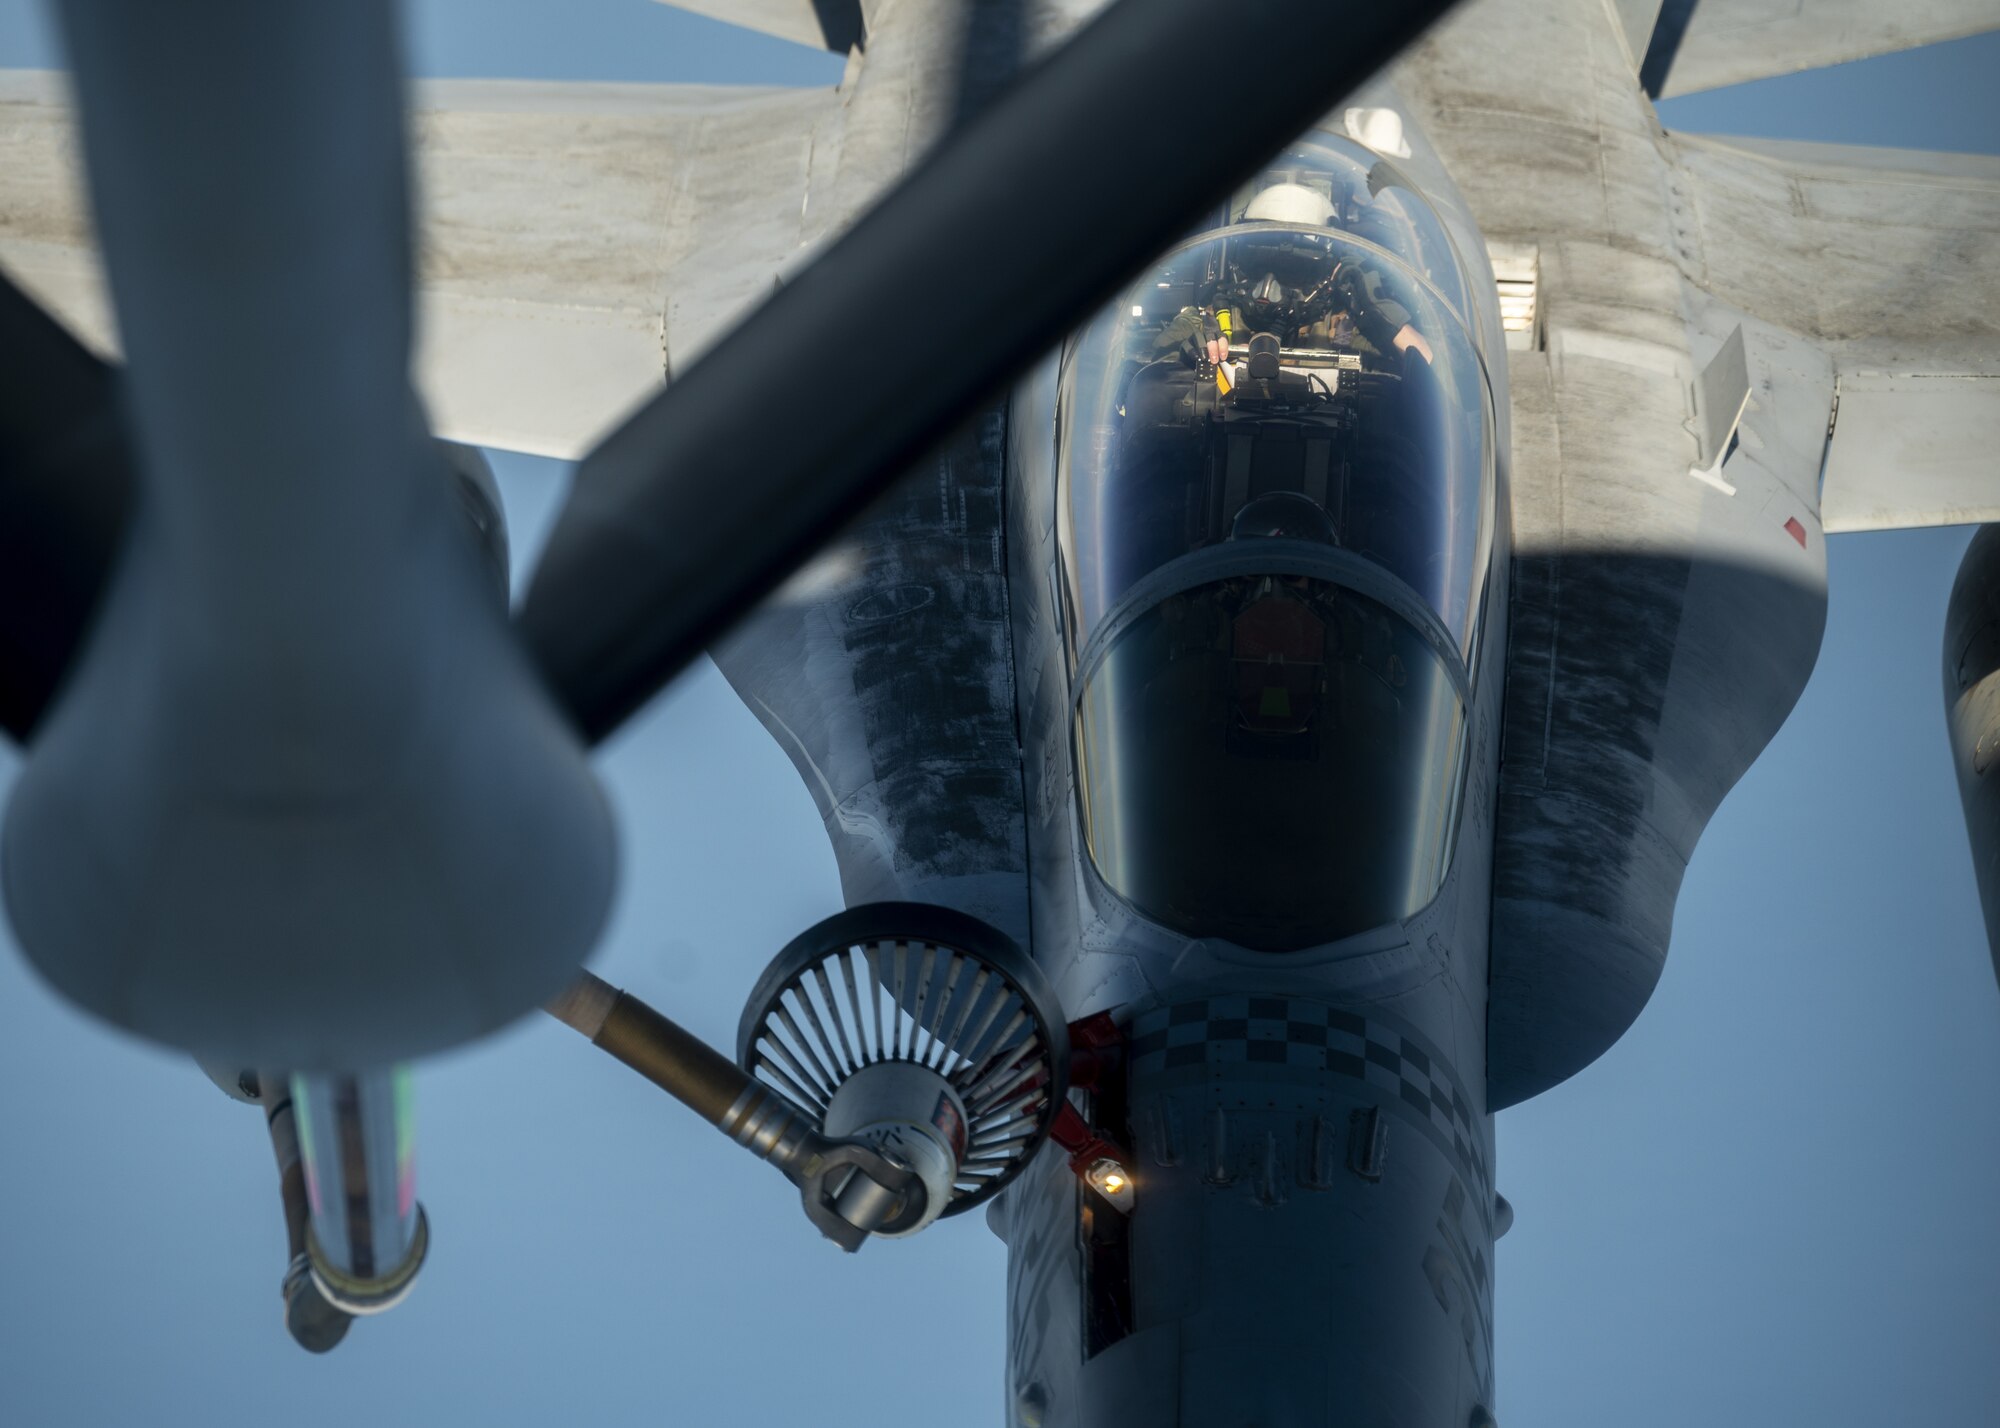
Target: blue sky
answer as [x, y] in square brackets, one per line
[1771, 1203]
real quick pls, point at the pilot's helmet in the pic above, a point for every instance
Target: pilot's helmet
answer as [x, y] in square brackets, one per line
[1290, 203]
[1265, 303]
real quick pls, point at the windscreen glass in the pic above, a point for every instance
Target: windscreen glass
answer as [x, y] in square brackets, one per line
[1270, 760]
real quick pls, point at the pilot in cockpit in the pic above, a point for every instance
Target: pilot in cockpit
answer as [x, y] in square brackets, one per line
[1300, 298]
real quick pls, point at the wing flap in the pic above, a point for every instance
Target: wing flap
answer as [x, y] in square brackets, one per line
[1713, 43]
[1913, 449]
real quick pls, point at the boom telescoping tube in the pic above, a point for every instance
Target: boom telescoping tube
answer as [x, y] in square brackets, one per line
[366, 1234]
[315, 1323]
[691, 1071]
[750, 1113]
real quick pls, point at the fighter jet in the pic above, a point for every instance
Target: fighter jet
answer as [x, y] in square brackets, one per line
[1259, 744]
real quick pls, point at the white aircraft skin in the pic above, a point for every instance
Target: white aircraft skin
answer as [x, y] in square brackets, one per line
[1655, 601]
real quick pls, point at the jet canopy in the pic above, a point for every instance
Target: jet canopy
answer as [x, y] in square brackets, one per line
[1275, 507]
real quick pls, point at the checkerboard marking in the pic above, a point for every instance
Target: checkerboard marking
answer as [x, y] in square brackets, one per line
[1292, 1031]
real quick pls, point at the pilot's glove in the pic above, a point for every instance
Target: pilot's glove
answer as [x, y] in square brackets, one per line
[1211, 346]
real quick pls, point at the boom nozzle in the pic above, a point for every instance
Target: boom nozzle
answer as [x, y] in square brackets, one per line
[888, 1120]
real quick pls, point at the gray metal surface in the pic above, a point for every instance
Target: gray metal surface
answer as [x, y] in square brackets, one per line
[1884, 260]
[884, 671]
[46, 240]
[1883, 257]
[1913, 449]
[902, 725]
[1721, 393]
[1666, 616]
[1663, 624]
[1255, 1173]
[280, 814]
[575, 242]
[580, 242]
